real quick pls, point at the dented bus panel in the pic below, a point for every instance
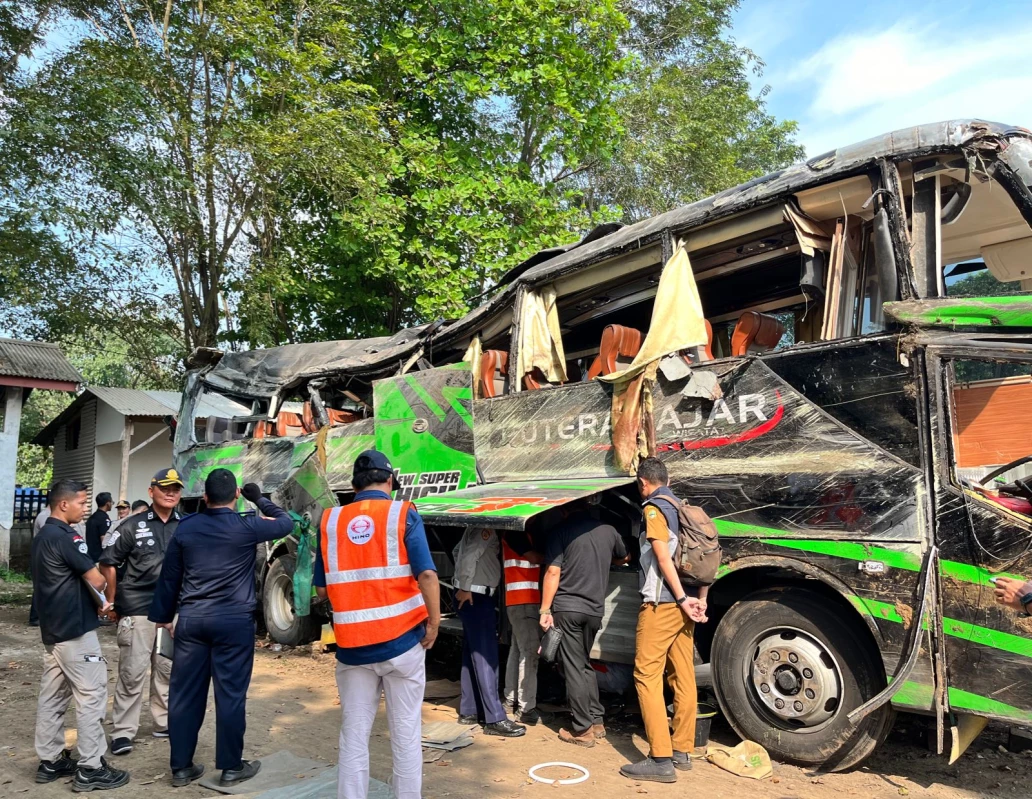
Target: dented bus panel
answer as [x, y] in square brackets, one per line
[857, 431]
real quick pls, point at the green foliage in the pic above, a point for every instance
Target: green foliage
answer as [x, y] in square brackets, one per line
[694, 126]
[262, 172]
[486, 110]
[983, 284]
[8, 576]
[149, 146]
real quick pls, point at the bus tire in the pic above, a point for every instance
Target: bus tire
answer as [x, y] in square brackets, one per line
[788, 669]
[278, 607]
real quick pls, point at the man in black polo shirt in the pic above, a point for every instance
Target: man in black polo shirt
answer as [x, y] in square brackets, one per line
[573, 597]
[97, 525]
[139, 545]
[65, 581]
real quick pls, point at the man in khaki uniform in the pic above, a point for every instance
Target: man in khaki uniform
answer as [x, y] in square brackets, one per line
[65, 582]
[140, 545]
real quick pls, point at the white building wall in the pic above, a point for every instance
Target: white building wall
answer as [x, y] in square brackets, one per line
[142, 465]
[145, 463]
[110, 425]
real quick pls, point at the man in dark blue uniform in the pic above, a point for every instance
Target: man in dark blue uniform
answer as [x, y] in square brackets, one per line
[208, 577]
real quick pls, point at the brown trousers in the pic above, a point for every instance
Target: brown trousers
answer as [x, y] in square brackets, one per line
[664, 641]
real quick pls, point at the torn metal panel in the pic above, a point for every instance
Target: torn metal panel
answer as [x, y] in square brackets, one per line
[270, 372]
[424, 422]
[508, 505]
[307, 492]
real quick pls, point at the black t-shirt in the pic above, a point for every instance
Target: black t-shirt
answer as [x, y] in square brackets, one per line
[583, 548]
[140, 545]
[64, 600]
[96, 528]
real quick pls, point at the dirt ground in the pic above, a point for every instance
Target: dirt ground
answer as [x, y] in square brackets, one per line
[293, 705]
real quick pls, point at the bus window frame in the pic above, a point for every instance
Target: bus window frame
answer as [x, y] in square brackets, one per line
[944, 455]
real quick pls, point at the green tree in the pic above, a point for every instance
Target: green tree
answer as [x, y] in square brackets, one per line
[488, 111]
[982, 284]
[152, 147]
[694, 126]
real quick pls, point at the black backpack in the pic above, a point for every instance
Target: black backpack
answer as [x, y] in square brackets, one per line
[697, 556]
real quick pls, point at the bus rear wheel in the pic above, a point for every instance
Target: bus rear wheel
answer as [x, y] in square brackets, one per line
[284, 626]
[788, 669]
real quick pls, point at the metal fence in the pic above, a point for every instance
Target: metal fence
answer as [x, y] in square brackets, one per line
[28, 502]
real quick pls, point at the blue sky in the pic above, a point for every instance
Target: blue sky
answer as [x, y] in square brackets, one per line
[846, 71]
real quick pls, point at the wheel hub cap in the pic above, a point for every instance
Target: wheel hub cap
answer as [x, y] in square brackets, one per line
[796, 678]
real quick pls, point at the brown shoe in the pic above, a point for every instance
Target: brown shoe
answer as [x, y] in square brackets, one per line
[585, 739]
[598, 730]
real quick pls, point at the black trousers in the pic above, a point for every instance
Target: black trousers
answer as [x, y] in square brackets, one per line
[207, 648]
[579, 630]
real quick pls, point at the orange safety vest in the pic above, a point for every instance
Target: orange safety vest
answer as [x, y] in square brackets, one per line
[522, 578]
[369, 581]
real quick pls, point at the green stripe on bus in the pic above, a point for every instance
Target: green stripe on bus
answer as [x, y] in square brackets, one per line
[964, 572]
[997, 639]
[919, 695]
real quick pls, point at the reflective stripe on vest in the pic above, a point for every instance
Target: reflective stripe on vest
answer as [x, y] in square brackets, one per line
[375, 597]
[522, 579]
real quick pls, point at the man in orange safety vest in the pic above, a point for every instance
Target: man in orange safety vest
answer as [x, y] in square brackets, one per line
[373, 563]
[521, 564]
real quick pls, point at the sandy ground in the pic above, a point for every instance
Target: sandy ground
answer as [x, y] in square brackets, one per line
[293, 705]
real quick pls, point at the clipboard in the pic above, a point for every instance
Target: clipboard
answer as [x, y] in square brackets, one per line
[164, 644]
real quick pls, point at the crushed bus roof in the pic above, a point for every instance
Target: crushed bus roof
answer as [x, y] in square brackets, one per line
[274, 371]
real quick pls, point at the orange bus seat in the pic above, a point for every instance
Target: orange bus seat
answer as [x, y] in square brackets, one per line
[494, 373]
[755, 332]
[616, 351]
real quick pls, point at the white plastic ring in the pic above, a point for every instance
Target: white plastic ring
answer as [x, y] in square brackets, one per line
[581, 769]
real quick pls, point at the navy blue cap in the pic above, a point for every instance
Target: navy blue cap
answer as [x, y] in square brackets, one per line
[369, 460]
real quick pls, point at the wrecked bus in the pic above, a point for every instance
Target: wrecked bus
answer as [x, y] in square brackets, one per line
[859, 432]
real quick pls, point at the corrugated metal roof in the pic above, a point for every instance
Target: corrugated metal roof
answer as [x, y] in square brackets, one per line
[36, 359]
[131, 402]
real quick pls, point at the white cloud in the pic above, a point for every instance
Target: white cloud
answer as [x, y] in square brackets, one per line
[865, 84]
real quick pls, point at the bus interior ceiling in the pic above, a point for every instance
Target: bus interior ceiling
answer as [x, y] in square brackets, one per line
[753, 261]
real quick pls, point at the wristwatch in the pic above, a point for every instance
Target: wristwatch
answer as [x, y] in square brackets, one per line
[545, 612]
[1025, 601]
[682, 600]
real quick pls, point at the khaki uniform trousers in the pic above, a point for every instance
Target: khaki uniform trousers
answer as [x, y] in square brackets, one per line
[665, 638]
[136, 652]
[73, 669]
[522, 667]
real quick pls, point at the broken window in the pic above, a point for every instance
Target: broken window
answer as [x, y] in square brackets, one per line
[863, 386]
[991, 430]
[965, 228]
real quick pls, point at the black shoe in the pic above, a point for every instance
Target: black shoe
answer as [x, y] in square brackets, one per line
[184, 776]
[469, 720]
[530, 717]
[651, 771]
[121, 746]
[507, 728]
[234, 776]
[160, 733]
[682, 761]
[102, 778]
[50, 770]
